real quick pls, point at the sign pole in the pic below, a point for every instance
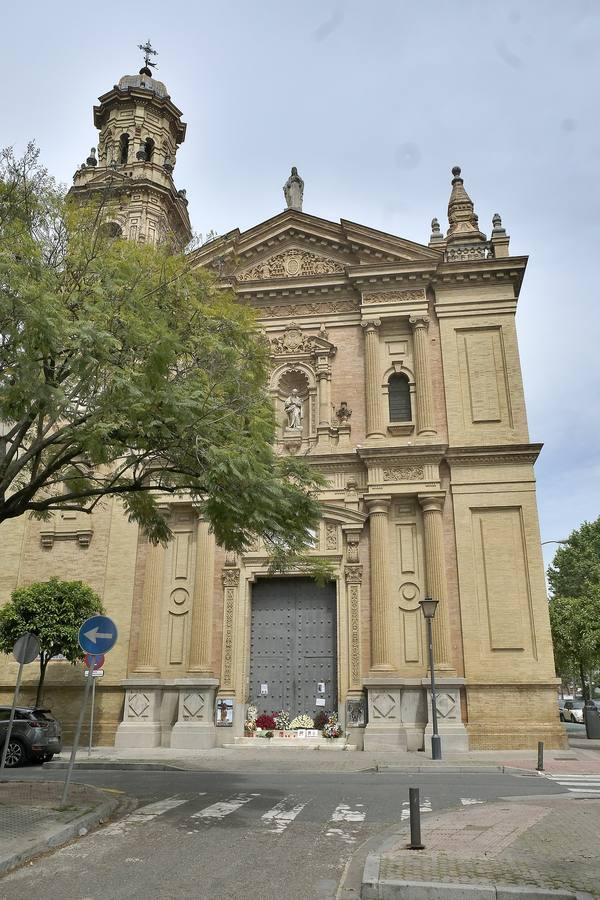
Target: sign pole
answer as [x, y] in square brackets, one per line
[86, 693]
[12, 716]
[91, 675]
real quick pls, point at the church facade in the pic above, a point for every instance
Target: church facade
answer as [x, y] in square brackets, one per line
[395, 372]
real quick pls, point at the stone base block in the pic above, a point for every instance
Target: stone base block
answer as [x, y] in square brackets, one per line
[382, 738]
[450, 725]
[138, 735]
[193, 736]
[454, 739]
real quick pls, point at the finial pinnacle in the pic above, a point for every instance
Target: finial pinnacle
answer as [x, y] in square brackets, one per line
[148, 51]
[456, 171]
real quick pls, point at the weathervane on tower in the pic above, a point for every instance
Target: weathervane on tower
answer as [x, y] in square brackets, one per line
[148, 52]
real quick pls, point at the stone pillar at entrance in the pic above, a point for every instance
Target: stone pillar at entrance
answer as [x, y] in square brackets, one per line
[149, 640]
[381, 652]
[374, 414]
[435, 567]
[425, 411]
[195, 725]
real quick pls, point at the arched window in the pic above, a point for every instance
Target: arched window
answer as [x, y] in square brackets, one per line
[399, 398]
[149, 149]
[123, 149]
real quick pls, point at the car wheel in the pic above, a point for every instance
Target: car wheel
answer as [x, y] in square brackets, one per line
[48, 757]
[15, 755]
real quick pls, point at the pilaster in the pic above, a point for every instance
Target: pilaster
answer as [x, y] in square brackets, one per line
[381, 649]
[425, 408]
[200, 660]
[435, 569]
[375, 428]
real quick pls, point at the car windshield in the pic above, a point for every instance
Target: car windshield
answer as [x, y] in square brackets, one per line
[577, 704]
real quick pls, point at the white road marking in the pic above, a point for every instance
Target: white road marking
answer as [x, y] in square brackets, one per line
[224, 808]
[146, 814]
[282, 815]
[353, 818]
[425, 807]
[578, 784]
[469, 801]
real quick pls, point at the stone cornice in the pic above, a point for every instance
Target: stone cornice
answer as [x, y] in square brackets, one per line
[503, 454]
[493, 271]
[398, 456]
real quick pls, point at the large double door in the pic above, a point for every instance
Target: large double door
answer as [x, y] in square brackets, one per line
[293, 646]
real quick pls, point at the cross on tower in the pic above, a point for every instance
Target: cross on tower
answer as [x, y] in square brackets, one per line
[148, 52]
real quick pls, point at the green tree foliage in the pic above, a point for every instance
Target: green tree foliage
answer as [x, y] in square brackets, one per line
[53, 610]
[574, 579]
[126, 373]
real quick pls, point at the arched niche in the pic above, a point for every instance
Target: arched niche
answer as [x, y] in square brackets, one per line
[300, 377]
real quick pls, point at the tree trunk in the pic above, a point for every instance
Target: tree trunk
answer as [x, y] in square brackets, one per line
[44, 657]
[584, 688]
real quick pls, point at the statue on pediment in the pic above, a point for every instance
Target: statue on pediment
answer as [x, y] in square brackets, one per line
[293, 190]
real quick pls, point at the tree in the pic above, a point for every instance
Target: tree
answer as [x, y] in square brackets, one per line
[125, 372]
[53, 610]
[574, 579]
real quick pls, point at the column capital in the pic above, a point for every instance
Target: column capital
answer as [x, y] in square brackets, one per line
[370, 325]
[432, 502]
[379, 505]
[353, 574]
[231, 577]
[419, 321]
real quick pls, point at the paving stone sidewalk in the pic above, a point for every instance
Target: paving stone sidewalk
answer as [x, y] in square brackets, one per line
[550, 843]
[572, 761]
[31, 820]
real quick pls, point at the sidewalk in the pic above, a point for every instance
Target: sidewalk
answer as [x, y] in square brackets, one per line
[575, 760]
[519, 847]
[32, 822]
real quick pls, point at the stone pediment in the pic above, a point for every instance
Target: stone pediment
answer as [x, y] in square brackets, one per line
[293, 262]
[294, 342]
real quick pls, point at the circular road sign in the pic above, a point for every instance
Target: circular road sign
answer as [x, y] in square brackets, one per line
[98, 635]
[27, 648]
[94, 660]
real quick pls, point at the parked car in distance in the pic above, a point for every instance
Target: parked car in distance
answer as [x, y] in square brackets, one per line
[572, 711]
[36, 735]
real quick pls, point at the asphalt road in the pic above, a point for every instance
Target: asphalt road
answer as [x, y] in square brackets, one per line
[219, 835]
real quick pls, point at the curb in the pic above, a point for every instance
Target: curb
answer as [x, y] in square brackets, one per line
[373, 888]
[470, 769]
[61, 836]
[115, 765]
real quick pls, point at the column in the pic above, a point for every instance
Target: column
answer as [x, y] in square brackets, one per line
[375, 427]
[435, 569]
[324, 398]
[201, 632]
[381, 652]
[425, 411]
[149, 639]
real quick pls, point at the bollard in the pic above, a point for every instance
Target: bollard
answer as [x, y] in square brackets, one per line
[415, 820]
[540, 762]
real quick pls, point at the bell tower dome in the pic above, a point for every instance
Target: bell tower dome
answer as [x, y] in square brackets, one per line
[140, 131]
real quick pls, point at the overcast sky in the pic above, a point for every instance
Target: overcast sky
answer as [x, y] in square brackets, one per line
[374, 102]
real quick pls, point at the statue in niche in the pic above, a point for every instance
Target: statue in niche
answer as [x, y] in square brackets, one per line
[293, 408]
[293, 190]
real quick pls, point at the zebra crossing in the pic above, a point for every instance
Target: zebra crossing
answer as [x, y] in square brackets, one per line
[578, 784]
[343, 822]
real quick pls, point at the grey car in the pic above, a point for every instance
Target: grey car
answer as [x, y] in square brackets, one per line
[36, 735]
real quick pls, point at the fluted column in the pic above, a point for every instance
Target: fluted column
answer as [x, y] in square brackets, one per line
[201, 633]
[425, 410]
[435, 569]
[381, 649]
[149, 639]
[324, 398]
[372, 375]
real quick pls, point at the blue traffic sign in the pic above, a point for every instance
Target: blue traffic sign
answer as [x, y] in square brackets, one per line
[98, 635]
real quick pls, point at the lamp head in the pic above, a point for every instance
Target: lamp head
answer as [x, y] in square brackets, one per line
[428, 606]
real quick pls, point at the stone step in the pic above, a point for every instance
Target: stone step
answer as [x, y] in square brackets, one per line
[289, 744]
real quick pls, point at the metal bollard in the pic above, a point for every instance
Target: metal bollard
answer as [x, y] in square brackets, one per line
[540, 762]
[415, 820]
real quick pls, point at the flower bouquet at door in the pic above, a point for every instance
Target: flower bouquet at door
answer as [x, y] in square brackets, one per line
[332, 728]
[302, 721]
[282, 720]
[250, 723]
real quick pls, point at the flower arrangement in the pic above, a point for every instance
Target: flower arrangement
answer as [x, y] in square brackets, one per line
[282, 720]
[332, 728]
[250, 723]
[266, 721]
[303, 721]
[321, 719]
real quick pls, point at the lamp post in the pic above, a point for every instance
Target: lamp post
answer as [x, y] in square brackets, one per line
[428, 607]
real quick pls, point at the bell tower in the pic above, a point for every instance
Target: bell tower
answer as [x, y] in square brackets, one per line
[140, 131]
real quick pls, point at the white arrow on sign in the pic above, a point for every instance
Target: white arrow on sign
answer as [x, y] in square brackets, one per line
[93, 634]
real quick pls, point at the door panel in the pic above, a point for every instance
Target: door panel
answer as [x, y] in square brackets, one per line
[293, 645]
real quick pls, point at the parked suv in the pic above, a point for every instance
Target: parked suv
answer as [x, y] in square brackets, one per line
[36, 735]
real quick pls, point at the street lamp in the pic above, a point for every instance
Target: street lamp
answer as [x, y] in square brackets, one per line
[429, 606]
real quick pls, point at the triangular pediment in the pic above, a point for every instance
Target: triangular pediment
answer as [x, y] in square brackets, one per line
[294, 244]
